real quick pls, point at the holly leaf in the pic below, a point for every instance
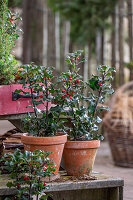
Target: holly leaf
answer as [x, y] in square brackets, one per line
[93, 83]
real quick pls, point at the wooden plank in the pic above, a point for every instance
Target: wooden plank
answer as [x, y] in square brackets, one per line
[102, 182]
[113, 193]
[121, 193]
[93, 194]
[8, 107]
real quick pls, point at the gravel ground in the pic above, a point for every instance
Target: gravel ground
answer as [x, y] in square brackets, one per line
[103, 164]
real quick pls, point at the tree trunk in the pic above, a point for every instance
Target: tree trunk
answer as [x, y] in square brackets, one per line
[45, 33]
[98, 48]
[102, 47]
[71, 49]
[57, 40]
[65, 41]
[113, 47]
[121, 42]
[130, 33]
[51, 60]
[89, 58]
[33, 31]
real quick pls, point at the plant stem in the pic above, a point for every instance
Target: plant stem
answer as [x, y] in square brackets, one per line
[99, 94]
[75, 136]
[29, 191]
[46, 117]
[34, 106]
[38, 188]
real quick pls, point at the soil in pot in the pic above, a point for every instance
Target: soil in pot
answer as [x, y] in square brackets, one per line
[79, 156]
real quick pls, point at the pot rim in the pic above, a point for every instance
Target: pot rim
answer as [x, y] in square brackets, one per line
[33, 140]
[92, 144]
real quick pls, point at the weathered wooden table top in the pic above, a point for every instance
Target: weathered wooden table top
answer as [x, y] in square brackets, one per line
[102, 181]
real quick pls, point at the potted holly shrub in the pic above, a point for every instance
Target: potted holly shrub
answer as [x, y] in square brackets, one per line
[27, 172]
[44, 127]
[83, 137]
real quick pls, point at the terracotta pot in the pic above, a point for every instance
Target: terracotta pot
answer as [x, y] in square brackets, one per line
[52, 144]
[79, 156]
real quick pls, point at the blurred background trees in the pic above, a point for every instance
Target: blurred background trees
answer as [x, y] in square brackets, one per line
[104, 29]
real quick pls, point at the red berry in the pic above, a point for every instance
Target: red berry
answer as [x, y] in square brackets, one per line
[41, 96]
[11, 21]
[77, 58]
[64, 81]
[43, 85]
[73, 83]
[48, 78]
[100, 84]
[45, 71]
[44, 169]
[63, 91]
[70, 97]
[103, 66]
[70, 79]
[26, 178]
[78, 81]
[104, 85]
[63, 96]
[43, 78]
[55, 103]
[17, 186]
[66, 94]
[44, 184]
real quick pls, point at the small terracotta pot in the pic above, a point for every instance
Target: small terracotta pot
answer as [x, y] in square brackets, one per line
[53, 144]
[79, 156]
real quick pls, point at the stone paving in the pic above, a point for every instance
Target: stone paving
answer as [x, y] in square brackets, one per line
[103, 164]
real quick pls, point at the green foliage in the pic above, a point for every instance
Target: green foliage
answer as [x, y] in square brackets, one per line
[84, 121]
[39, 81]
[26, 171]
[8, 37]
[66, 92]
[86, 16]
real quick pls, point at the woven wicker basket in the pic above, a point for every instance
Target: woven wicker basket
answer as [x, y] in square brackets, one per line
[118, 124]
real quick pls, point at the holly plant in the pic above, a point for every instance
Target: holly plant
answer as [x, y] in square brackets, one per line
[40, 85]
[84, 120]
[27, 171]
[66, 92]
